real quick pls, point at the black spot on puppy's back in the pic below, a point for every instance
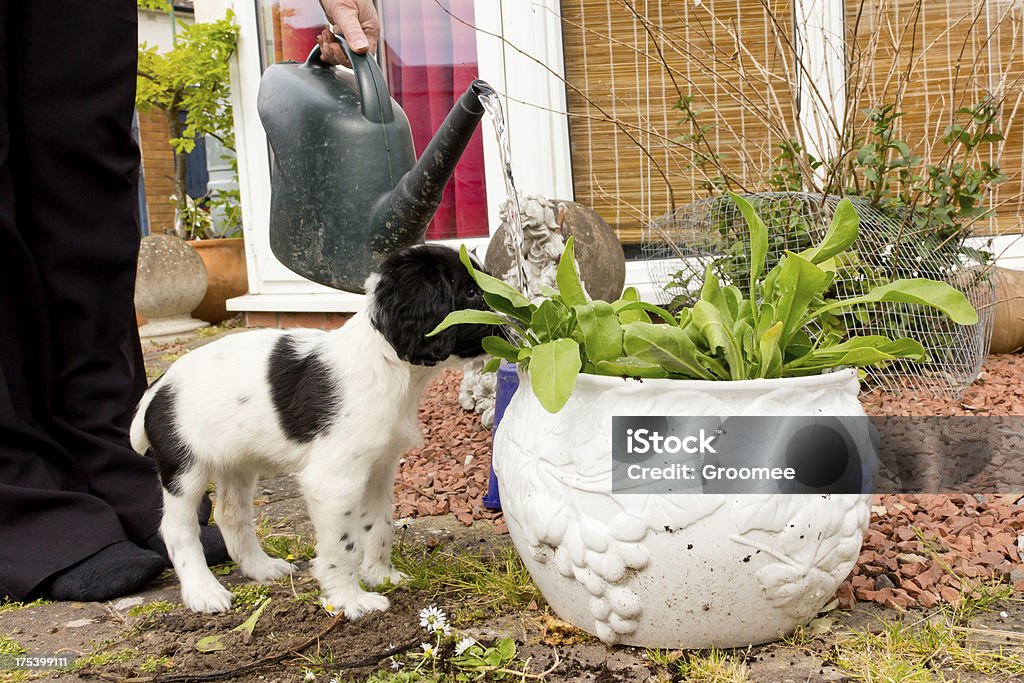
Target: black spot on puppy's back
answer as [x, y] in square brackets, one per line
[302, 389]
[173, 457]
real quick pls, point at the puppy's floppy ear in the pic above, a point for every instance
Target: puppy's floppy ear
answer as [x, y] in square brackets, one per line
[414, 294]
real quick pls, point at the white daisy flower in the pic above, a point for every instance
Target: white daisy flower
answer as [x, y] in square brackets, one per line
[309, 675]
[428, 650]
[463, 645]
[395, 664]
[433, 619]
[403, 523]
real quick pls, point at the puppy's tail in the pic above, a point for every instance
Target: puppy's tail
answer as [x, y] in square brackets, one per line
[137, 432]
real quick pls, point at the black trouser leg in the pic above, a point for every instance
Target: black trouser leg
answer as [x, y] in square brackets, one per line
[70, 363]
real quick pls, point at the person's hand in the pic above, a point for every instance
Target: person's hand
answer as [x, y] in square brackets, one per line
[356, 20]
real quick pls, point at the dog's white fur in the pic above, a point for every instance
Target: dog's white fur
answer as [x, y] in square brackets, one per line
[346, 473]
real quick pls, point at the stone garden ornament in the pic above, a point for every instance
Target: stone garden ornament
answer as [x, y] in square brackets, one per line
[546, 224]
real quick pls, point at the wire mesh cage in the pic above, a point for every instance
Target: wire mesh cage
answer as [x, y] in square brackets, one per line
[681, 245]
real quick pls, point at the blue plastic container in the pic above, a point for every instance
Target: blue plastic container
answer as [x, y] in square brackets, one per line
[508, 382]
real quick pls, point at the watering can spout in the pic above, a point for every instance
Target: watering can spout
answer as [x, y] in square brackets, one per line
[402, 216]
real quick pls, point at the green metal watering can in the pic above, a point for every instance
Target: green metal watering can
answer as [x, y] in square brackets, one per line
[346, 186]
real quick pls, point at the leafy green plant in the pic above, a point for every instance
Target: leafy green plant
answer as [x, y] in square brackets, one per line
[775, 330]
[154, 5]
[190, 83]
[706, 161]
[938, 201]
[458, 657]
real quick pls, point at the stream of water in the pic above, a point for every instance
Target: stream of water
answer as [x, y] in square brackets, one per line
[492, 105]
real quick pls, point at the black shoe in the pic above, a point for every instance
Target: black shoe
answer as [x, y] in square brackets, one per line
[114, 571]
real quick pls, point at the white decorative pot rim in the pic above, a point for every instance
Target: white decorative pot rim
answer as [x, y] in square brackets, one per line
[836, 378]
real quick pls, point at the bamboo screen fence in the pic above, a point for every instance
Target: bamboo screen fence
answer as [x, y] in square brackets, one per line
[629, 62]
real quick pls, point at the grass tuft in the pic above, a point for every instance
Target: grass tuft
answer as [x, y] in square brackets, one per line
[105, 658]
[248, 595]
[486, 585]
[10, 606]
[712, 666]
[912, 651]
[10, 647]
[152, 608]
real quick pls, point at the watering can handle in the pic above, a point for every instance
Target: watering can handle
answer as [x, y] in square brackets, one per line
[373, 91]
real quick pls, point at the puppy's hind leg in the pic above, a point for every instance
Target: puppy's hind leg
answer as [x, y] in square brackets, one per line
[377, 527]
[334, 499]
[234, 515]
[200, 590]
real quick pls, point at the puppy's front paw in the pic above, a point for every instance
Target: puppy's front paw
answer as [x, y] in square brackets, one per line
[208, 598]
[356, 605]
[375, 576]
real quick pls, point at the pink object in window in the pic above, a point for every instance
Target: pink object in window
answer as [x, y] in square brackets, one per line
[430, 60]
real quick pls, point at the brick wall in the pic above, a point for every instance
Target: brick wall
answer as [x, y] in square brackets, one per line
[158, 166]
[319, 321]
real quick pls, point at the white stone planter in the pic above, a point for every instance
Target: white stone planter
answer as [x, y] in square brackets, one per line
[674, 571]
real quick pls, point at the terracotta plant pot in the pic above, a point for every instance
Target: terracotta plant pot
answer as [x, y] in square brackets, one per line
[667, 570]
[227, 276]
[1008, 327]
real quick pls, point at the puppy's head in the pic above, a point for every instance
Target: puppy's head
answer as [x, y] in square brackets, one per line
[413, 290]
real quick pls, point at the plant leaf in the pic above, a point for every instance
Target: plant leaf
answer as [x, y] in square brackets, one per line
[550, 320]
[799, 282]
[664, 345]
[507, 649]
[717, 329]
[903, 347]
[569, 286]
[841, 234]
[211, 644]
[249, 624]
[758, 240]
[630, 367]
[554, 366]
[499, 347]
[630, 295]
[503, 305]
[602, 332]
[939, 295]
[493, 285]
[470, 316]
[620, 307]
[858, 357]
[769, 351]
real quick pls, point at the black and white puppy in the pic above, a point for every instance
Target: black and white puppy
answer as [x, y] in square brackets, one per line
[334, 408]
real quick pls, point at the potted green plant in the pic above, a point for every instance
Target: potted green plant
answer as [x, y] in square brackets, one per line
[190, 84]
[671, 570]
